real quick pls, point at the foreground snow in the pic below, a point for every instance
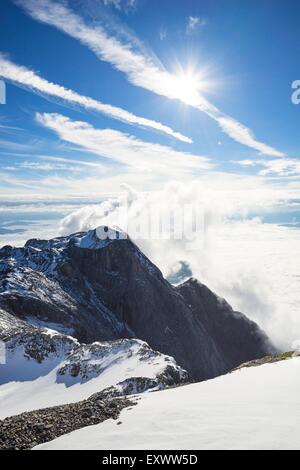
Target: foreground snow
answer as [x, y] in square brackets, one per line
[255, 408]
[45, 368]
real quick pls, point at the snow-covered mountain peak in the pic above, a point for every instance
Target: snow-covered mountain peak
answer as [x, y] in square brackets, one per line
[46, 255]
[101, 237]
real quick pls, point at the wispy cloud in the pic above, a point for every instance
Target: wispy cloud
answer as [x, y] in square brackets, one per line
[279, 166]
[49, 163]
[242, 134]
[194, 23]
[141, 69]
[97, 166]
[126, 5]
[38, 166]
[244, 162]
[115, 3]
[24, 77]
[7, 179]
[16, 146]
[123, 148]
[4, 128]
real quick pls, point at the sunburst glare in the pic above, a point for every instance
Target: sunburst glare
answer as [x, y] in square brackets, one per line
[188, 84]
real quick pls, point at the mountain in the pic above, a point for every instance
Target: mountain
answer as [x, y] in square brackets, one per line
[45, 368]
[105, 289]
[255, 408]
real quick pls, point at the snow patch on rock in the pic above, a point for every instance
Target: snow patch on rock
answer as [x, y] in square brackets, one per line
[45, 368]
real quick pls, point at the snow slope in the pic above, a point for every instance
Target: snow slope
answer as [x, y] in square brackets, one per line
[45, 368]
[254, 408]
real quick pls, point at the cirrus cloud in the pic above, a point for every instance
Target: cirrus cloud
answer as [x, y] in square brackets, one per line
[24, 77]
[123, 148]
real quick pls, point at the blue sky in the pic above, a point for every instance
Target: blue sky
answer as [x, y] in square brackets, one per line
[243, 53]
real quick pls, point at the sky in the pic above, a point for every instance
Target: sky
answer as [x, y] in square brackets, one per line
[175, 97]
[212, 79]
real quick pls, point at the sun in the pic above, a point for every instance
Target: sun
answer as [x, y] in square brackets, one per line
[186, 85]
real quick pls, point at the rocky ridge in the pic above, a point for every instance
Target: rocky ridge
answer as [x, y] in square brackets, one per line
[25, 431]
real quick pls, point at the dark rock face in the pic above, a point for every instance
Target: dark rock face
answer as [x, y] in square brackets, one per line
[234, 334]
[107, 289]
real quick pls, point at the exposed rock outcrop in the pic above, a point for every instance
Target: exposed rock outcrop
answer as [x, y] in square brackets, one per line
[25, 431]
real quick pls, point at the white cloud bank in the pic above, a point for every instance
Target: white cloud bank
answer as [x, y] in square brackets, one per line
[27, 78]
[140, 68]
